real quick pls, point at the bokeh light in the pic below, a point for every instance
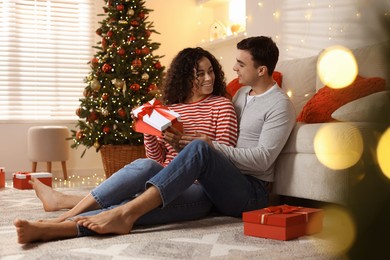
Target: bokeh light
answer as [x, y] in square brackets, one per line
[338, 146]
[383, 153]
[337, 67]
[339, 230]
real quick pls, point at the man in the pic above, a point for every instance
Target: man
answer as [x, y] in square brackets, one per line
[234, 179]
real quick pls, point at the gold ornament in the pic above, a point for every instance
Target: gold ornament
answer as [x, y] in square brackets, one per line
[96, 145]
[123, 22]
[95, 84]
[145, 76]
[118, 83]
[105, 112]
[130, 12]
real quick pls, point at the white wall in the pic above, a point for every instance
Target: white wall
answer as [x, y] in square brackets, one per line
[299, 29]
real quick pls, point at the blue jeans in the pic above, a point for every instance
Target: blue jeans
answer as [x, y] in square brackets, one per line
[198, 179]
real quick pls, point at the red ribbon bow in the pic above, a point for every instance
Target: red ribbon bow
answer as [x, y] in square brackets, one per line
[148, 109]
[282, 209]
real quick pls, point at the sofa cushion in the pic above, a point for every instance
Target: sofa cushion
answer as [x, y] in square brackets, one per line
[299, 79]
[371, 108]
[320, 107]
[234, 85]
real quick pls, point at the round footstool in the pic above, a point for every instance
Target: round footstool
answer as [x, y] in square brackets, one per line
[48, 144]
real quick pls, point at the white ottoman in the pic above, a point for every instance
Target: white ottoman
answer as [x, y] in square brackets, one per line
[48, 144]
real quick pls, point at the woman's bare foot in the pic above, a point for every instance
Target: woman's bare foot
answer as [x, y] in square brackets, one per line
[40, 231]
[53, 200]
[112, 221]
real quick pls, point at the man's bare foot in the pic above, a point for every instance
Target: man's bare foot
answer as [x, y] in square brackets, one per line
[112, 221]
[39, 231]
[53, 200]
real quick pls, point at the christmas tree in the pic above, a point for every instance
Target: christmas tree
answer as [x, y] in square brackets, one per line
[125, 74]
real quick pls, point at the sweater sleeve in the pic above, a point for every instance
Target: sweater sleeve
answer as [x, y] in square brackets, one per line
[226, 130]
[154, 148]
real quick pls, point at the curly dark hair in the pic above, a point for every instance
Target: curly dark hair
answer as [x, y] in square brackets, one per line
[177, 85]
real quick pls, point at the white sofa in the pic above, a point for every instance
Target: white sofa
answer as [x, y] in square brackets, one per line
[299, 173]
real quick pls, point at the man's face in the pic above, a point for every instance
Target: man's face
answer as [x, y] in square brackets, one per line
[245, 68]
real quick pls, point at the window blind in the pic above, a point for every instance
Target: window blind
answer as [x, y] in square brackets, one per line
[44, 50]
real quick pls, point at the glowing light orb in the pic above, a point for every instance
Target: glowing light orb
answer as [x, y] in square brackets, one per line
[338, 146]
[337, 67]
[339, 229]
[383, 153]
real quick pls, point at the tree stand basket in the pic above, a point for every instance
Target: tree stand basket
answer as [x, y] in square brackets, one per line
[115, 157]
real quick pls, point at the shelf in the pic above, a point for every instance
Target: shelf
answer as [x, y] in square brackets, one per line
[213, 44]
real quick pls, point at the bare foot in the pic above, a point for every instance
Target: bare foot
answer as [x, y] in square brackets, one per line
[39, 231]
[112, 221]
[53, 200]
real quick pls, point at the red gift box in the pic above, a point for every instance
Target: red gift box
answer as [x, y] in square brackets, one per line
[154, 118]
[2, 177]
[282, 222]
[21, 179]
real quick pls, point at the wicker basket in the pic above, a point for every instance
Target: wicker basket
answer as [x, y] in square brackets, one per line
[116, 157]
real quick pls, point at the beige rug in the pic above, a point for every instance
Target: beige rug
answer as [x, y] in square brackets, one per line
[211, 238]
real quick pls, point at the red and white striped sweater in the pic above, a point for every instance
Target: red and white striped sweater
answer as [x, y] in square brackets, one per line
[214, 116]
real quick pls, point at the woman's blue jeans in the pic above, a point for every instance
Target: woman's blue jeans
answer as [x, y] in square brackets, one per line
[197, 180]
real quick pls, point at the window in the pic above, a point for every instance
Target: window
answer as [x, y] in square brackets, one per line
[44, 50]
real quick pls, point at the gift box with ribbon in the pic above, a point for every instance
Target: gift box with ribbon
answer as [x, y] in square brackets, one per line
[282, 222]
[2, 177]
[21, 179]
[154, 118]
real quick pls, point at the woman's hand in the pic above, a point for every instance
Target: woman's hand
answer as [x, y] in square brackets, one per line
[173, 137]
[186, 139]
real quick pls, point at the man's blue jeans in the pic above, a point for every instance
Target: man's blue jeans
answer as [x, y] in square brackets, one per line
[198, 179]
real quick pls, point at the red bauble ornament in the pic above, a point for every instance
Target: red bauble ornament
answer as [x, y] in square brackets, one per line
[112, 20]
[106, 67]
[105, 96]
[131, 38]
[110, 34]
[135, 87]
[78, 112]
[134, 23]
[106, 129]
[145, 50]
[120, 7]
[92, 117]
[148, 33]
[79, 135]
[121, 112]
[136, 63]
[152, 87]
[157, 65]
[138, 51]
[121, 51]
[94, 62]
[141, 15]
[104, 44]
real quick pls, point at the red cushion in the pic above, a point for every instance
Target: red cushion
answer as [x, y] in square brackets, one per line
[320, 107]
[234, 85]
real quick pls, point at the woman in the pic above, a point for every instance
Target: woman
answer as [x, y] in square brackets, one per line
[195, 88]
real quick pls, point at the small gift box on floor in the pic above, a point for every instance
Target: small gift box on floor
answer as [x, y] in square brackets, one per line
[154, 118]
[282, 222]
[2, 177]
[21, 179]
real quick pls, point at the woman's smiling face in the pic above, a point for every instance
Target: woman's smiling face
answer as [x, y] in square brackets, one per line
[203, 84]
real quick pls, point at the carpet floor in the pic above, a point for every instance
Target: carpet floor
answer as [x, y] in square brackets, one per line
[215, 237]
